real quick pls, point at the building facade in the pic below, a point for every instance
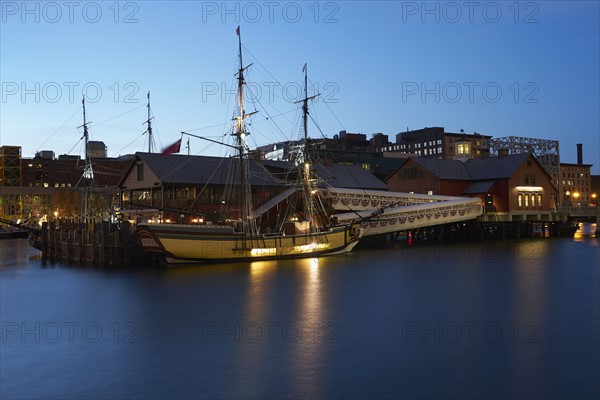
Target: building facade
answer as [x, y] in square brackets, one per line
[435, 142]
[507, 185]
[576, 182]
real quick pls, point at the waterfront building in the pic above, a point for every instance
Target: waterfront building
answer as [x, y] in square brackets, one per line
[576, 184]
[511, 186]
[195, 185]
[45, 185]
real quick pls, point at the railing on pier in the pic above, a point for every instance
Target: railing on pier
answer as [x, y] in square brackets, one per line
[387, 212]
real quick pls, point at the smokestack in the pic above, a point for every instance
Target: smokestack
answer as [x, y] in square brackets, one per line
[579, 153]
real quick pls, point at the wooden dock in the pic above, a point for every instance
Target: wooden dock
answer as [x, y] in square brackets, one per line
[91, 241]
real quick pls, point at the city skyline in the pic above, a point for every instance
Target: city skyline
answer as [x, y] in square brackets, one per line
[501, 69]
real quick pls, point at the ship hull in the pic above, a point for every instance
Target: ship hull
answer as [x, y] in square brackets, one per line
[189, 243]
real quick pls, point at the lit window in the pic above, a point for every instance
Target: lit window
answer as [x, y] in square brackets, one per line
[526, 201]
[463, 149]
[539, 196]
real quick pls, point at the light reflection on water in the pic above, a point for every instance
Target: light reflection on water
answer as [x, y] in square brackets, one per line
[585, 230]
[373, 324]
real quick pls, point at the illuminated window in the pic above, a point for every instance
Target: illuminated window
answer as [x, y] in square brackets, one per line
[539, 196]
[520, 200]
[532, 200]
[463, 149]
[526, 201]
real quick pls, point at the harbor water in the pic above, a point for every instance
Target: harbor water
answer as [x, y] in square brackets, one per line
[485, 320]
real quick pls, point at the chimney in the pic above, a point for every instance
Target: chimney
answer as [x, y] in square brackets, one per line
[502, 152]
[579, 153]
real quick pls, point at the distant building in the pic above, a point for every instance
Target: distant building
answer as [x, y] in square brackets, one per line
[345, 148]
[10, 166]
[595, 188]
[576, 183]
[96, 149]
[511, 187]
[435, 142]
[44, 185]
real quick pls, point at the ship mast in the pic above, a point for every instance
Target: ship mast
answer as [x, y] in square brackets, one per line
[149, 128]
[306, 165]
[240, 132]
[88, 172]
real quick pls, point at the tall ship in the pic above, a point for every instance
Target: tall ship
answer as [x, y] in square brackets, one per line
[307, 231]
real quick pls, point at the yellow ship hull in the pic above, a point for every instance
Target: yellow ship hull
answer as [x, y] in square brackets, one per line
[193, 243]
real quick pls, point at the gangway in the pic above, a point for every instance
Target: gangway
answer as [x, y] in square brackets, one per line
[381, 212]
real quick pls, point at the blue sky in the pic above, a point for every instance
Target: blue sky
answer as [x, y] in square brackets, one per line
[498, 68]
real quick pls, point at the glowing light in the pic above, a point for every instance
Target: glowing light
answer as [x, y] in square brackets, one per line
[262, 252]
[168, 221]
[529, 188]
[195, 220]
[576, 194]
[307, 248]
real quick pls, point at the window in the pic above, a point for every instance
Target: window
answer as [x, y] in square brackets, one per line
[532, 200]
[539, 196]
[520, 200]
[526, 201]
[140, 172]
[526, 179]
[463, 148]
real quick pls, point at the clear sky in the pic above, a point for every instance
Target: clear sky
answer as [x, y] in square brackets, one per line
[499, 68]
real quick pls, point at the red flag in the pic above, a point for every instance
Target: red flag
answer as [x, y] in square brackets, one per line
[237, 31]
[174, 148]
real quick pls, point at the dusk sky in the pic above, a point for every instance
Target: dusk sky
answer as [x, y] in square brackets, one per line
[498, 68]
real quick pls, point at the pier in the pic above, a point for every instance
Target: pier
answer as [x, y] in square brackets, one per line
[90, 241]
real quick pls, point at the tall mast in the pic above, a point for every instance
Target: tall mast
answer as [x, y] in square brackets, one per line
[88, 172]
[306, 165]
[149, 129]
[241, 133]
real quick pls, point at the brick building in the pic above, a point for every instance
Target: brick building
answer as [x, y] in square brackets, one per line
[508, 185]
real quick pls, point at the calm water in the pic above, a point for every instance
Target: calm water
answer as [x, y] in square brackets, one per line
[485, 320]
